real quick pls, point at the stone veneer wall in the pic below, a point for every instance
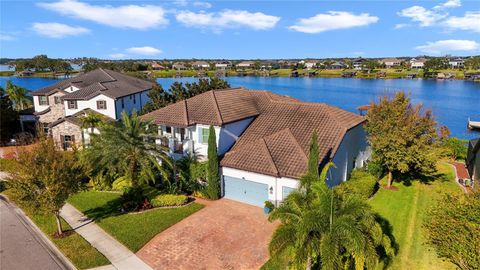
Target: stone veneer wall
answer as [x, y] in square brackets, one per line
[56, 112]
[66, 128]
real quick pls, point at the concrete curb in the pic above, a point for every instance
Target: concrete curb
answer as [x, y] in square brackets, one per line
[61, 260]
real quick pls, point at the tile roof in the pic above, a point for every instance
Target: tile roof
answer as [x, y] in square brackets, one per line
[100, 81]
[76, 117]
[277, 141]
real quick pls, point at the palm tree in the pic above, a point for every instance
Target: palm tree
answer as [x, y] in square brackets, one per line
[128, 147]
[319, 227]
[91, 120]
[18, 95]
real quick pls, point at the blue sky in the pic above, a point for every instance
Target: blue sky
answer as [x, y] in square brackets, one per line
[238, 29]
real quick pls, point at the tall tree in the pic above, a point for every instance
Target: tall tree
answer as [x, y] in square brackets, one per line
[326, 230]
[45, 177]
[18, 95]
[313, 164]
[128, 148]
[8, 117]
[91, 120]
[401, 135]
[213, 177]
[158, 98]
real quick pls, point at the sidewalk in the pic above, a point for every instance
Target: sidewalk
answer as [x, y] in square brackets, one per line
[120, 257]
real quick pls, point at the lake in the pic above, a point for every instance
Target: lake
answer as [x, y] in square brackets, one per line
[452, 102]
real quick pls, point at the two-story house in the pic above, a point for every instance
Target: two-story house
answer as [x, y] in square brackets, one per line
[59, 107]
[262, 139]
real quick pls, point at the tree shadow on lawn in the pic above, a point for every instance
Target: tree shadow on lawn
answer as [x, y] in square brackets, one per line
[388, 230]
[427, 179]
[110, 209]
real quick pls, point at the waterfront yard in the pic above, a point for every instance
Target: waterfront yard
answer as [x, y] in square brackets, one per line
[406, 209]
[134, 230]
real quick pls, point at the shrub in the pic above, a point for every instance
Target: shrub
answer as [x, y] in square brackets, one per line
[7, 165]
[361, 183]
[455, 148]
[121, 183]
[375, 168]
[169, 200]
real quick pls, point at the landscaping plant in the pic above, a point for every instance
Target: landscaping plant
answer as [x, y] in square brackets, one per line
[169, 200]
[212, 189]
[44, 178]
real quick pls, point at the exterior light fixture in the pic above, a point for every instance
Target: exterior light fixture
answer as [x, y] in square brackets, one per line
[271, 190]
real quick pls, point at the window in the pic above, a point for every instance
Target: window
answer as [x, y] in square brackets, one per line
[57, 100]
[101, 104]
[43, 100]
[168, 129]
[205, 132]
[134, 99]
[123, 104]
[67, 141]
[72, 104]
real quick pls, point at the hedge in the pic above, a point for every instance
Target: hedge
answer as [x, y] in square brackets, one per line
[169, 200]
[361, 183]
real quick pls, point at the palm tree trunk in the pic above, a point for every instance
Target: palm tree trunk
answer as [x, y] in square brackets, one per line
[390, 178]
[309, 263]
[59, 223]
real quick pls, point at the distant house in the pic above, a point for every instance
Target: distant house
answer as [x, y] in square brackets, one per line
[245, 64]
[473, 159]
[309, 64]
[359, 63]
[417, 63]
[456, 63]
[262, 139]
[60, 106]
[179, 66]
[156, 66]
[391, 62]
[223, 65]
[337, 65]
[200, 65]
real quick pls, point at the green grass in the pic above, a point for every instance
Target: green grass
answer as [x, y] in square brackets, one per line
[74, 247]
[405, 209]
[133, 230]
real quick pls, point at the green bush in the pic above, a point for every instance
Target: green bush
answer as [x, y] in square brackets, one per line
[455, 148]
[121, 183]
[376, 169]
[169, 200]
[361, 183]
[7, 165]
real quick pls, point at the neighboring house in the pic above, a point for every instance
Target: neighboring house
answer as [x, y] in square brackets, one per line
[417, 63]
[59, 107]
[245, 64]
[456, 63]
[309, 64]
[156, 66]
[358, 63]
[262, 139]
[337, 65]
[200, 65]
[473, 159]
[391, 62]
[179, 66]
[223, 65]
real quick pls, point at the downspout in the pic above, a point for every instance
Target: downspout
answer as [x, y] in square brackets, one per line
[276, 191]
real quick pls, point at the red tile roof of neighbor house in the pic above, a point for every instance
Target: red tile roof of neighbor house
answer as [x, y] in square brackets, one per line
[277, 141]
[99, 81]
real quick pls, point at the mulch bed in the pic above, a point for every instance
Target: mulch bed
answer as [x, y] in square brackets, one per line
[65, 234]
[392, 188]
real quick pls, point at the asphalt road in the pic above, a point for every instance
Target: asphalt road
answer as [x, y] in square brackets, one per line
[21, 246]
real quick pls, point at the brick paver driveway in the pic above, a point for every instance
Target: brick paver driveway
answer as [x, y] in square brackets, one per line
[224, 235]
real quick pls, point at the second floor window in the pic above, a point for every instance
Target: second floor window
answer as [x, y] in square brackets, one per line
[57, 100]
[101, 104]
[43, 100]
[123, 104]
[204, 135]
[72, 104]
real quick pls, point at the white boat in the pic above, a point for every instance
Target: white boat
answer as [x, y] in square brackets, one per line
[473, 124]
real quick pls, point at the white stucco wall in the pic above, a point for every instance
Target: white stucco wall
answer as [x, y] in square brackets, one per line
[37, 106]
[201, 148]
[128, 101]
[273, 182]
[354, 147]
[92, 104]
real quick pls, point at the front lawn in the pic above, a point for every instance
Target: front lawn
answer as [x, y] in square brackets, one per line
[405, 209]
[134, 230]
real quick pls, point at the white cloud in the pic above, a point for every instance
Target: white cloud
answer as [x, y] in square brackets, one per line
[449, 4]
[401, 25]
[422, 15]
[117, 55]
[58, 30]
[227, 19]
[182, 3]
[202, 4]
[332, 20]
[450, 45]
[7, 37]
[146, 50]
[470, 21]
[127, 16]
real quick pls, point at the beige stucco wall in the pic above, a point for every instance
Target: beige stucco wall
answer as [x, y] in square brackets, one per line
[66, 128]
[56, 112]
